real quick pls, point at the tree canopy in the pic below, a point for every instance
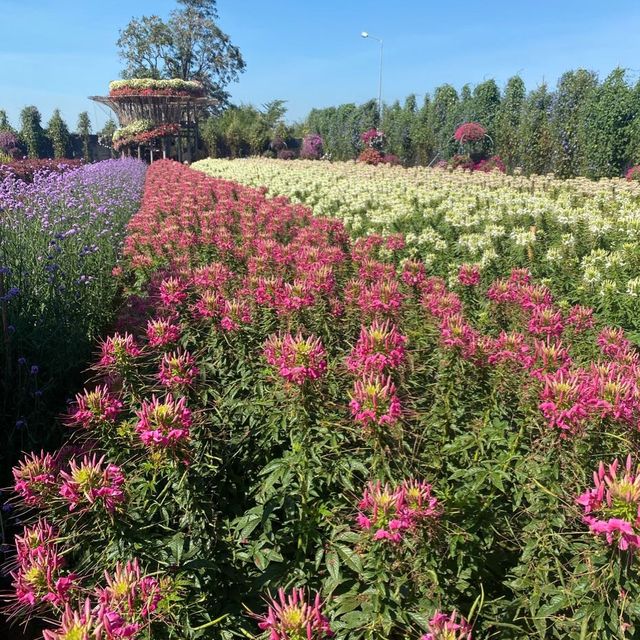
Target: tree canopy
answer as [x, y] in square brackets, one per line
[189, 45]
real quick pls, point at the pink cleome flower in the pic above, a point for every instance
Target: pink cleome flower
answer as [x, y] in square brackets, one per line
[164, 424]
[374, 402]
[177, 368]
[388, 513]
[35, 479]
[118, 351]
[128, 601]
[93, 483]
[379, 347]
[448, 627]
[94, 408]
[297, 359]
[296, 616]
[161, 332]
[612, 506]
[76, 624]
[41, 576]
[469, 275]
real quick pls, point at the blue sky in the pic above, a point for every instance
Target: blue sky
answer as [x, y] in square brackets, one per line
[56, 53]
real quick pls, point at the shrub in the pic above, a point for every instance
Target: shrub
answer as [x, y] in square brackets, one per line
[286, 154]
[312, 147]
[371, 156]
[373, 139]
[391, 159]
[9, 144]
[491, 164]
[633, 173]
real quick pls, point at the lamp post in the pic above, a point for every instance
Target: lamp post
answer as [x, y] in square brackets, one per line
[365, 34]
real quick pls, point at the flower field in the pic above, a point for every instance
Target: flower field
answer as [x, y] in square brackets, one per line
[60, 235]
[295, 434]
[578, 236]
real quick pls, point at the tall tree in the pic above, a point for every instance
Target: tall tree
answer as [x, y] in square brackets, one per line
[485, 104]
[634, 128]
[423, 137]
[32, 133]
[507, 122]
[571, 107]
[84, 131]
[607, 127]
[190, 46]
[58, 133]
[535, 135]
[444, 119]
[5, 125]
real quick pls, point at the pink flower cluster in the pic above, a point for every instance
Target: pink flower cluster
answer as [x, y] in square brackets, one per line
[41, 577]
[296, 616]
[612, 505]
[470, 132]
[161, 332]
[95, 408]
[380, 347]
[448, 627]
[125, 607]
[35, 479]
[389, 513]
[297, 359]
[374, 403]
[177, 369]
[92, 483]
[164, 423]
[469, 275]
[117, 352]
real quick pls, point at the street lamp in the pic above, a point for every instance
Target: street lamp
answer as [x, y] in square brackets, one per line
[365, 34]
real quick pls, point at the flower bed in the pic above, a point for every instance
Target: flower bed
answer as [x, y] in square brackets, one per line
[151, 87]
[284, 410]
[60, 236]
[578, 235]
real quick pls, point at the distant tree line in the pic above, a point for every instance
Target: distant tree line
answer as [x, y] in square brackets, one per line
[583, 127]
[54, 140]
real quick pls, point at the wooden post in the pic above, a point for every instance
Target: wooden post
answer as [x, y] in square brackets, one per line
[164, 148]
[151, 152]
[139, 153]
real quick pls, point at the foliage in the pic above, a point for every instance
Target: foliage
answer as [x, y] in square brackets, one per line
[245, 130]
[83, 129]
[32, 133]
[286, 410]
[58, 133]
[536, 136]
[583, 127]
[607, 129]
[507, 135]
[188, 46]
